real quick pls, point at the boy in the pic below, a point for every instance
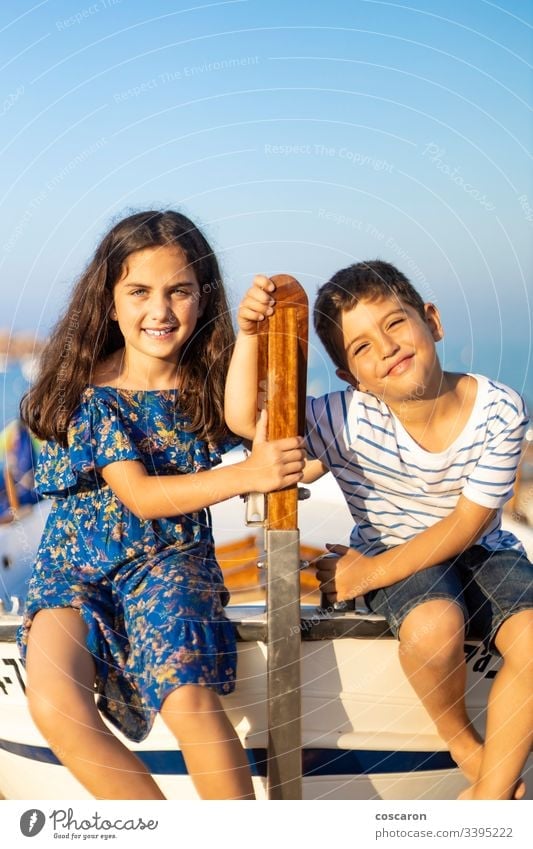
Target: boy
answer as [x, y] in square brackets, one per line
[426, 460]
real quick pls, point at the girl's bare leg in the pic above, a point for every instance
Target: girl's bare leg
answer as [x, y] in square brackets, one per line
[215, 758]
[60, 672]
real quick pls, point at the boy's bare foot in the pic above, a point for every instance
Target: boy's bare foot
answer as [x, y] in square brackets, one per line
[520, 789]
[467, 754]
[468, 793]
[473, 791]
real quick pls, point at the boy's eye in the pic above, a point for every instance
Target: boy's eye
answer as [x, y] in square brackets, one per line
[397, 321]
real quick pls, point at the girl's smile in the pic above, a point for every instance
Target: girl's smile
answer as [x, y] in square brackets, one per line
[159, 334]
[157, 305]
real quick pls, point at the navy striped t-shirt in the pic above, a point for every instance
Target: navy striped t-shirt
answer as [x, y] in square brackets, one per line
[393, 487]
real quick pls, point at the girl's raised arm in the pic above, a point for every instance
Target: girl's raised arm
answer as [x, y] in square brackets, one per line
[240, 410]
[270, 466]
[240, 407]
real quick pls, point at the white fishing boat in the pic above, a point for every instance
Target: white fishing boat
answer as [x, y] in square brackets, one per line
[365, 734]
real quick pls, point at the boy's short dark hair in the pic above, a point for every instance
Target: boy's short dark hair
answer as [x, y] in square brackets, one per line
[363, 280]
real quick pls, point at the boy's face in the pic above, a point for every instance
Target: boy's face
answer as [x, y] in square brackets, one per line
[390, 350]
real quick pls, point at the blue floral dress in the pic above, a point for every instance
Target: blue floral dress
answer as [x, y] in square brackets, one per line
[150, 591]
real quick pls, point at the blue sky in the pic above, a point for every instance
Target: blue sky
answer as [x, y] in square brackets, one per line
[301, 136]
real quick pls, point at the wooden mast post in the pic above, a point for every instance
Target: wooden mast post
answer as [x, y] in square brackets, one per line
[282, 377]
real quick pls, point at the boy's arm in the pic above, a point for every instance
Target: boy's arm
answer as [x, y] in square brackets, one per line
[445, 539]
[313, 470]
[355, 574]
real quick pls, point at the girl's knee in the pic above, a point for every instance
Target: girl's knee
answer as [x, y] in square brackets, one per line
[193, 712]
[191, 699]
[59, 708]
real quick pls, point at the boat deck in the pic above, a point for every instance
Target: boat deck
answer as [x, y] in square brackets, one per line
[250, 624]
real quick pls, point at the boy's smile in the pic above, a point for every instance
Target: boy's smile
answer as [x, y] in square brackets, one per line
[390, 349]
[401, 365]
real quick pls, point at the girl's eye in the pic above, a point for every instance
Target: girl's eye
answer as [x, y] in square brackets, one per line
[360, 349]
[138, 292]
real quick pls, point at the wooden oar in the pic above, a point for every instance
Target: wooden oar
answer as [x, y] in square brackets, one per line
[282, 382]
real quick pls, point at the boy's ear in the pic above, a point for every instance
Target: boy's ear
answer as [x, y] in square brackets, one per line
[347, 377]
[434, 322]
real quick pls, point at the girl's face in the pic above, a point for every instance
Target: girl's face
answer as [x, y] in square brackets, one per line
[157, 303]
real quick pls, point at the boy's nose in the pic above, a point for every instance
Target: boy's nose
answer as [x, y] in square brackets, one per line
[388, 345]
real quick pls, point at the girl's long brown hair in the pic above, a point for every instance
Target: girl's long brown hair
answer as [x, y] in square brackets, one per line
[86, 335]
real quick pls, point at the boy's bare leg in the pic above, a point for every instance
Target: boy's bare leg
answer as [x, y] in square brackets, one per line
[60, 673]
[432, 657]
[509, 734]
[215, 758]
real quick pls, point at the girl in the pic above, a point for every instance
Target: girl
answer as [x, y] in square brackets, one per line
[126, 595]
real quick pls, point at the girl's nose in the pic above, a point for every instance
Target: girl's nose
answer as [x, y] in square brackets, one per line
[160, 308]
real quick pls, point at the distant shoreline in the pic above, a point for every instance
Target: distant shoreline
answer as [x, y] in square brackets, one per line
[19, 346]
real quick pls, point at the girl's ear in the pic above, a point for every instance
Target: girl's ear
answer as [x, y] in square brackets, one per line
[113, 314]
[346, 376]
[434, 322]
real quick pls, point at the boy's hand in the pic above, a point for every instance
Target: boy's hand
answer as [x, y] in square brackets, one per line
[256, 305]
[351, 575]
[274, 465]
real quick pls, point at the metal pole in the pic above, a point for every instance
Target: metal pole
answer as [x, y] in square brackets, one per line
[283, 665]
[284, 358]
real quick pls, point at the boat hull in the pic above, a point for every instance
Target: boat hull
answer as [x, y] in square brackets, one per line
[365, 733]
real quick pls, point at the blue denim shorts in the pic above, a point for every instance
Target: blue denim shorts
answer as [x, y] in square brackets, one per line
[488, 586]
